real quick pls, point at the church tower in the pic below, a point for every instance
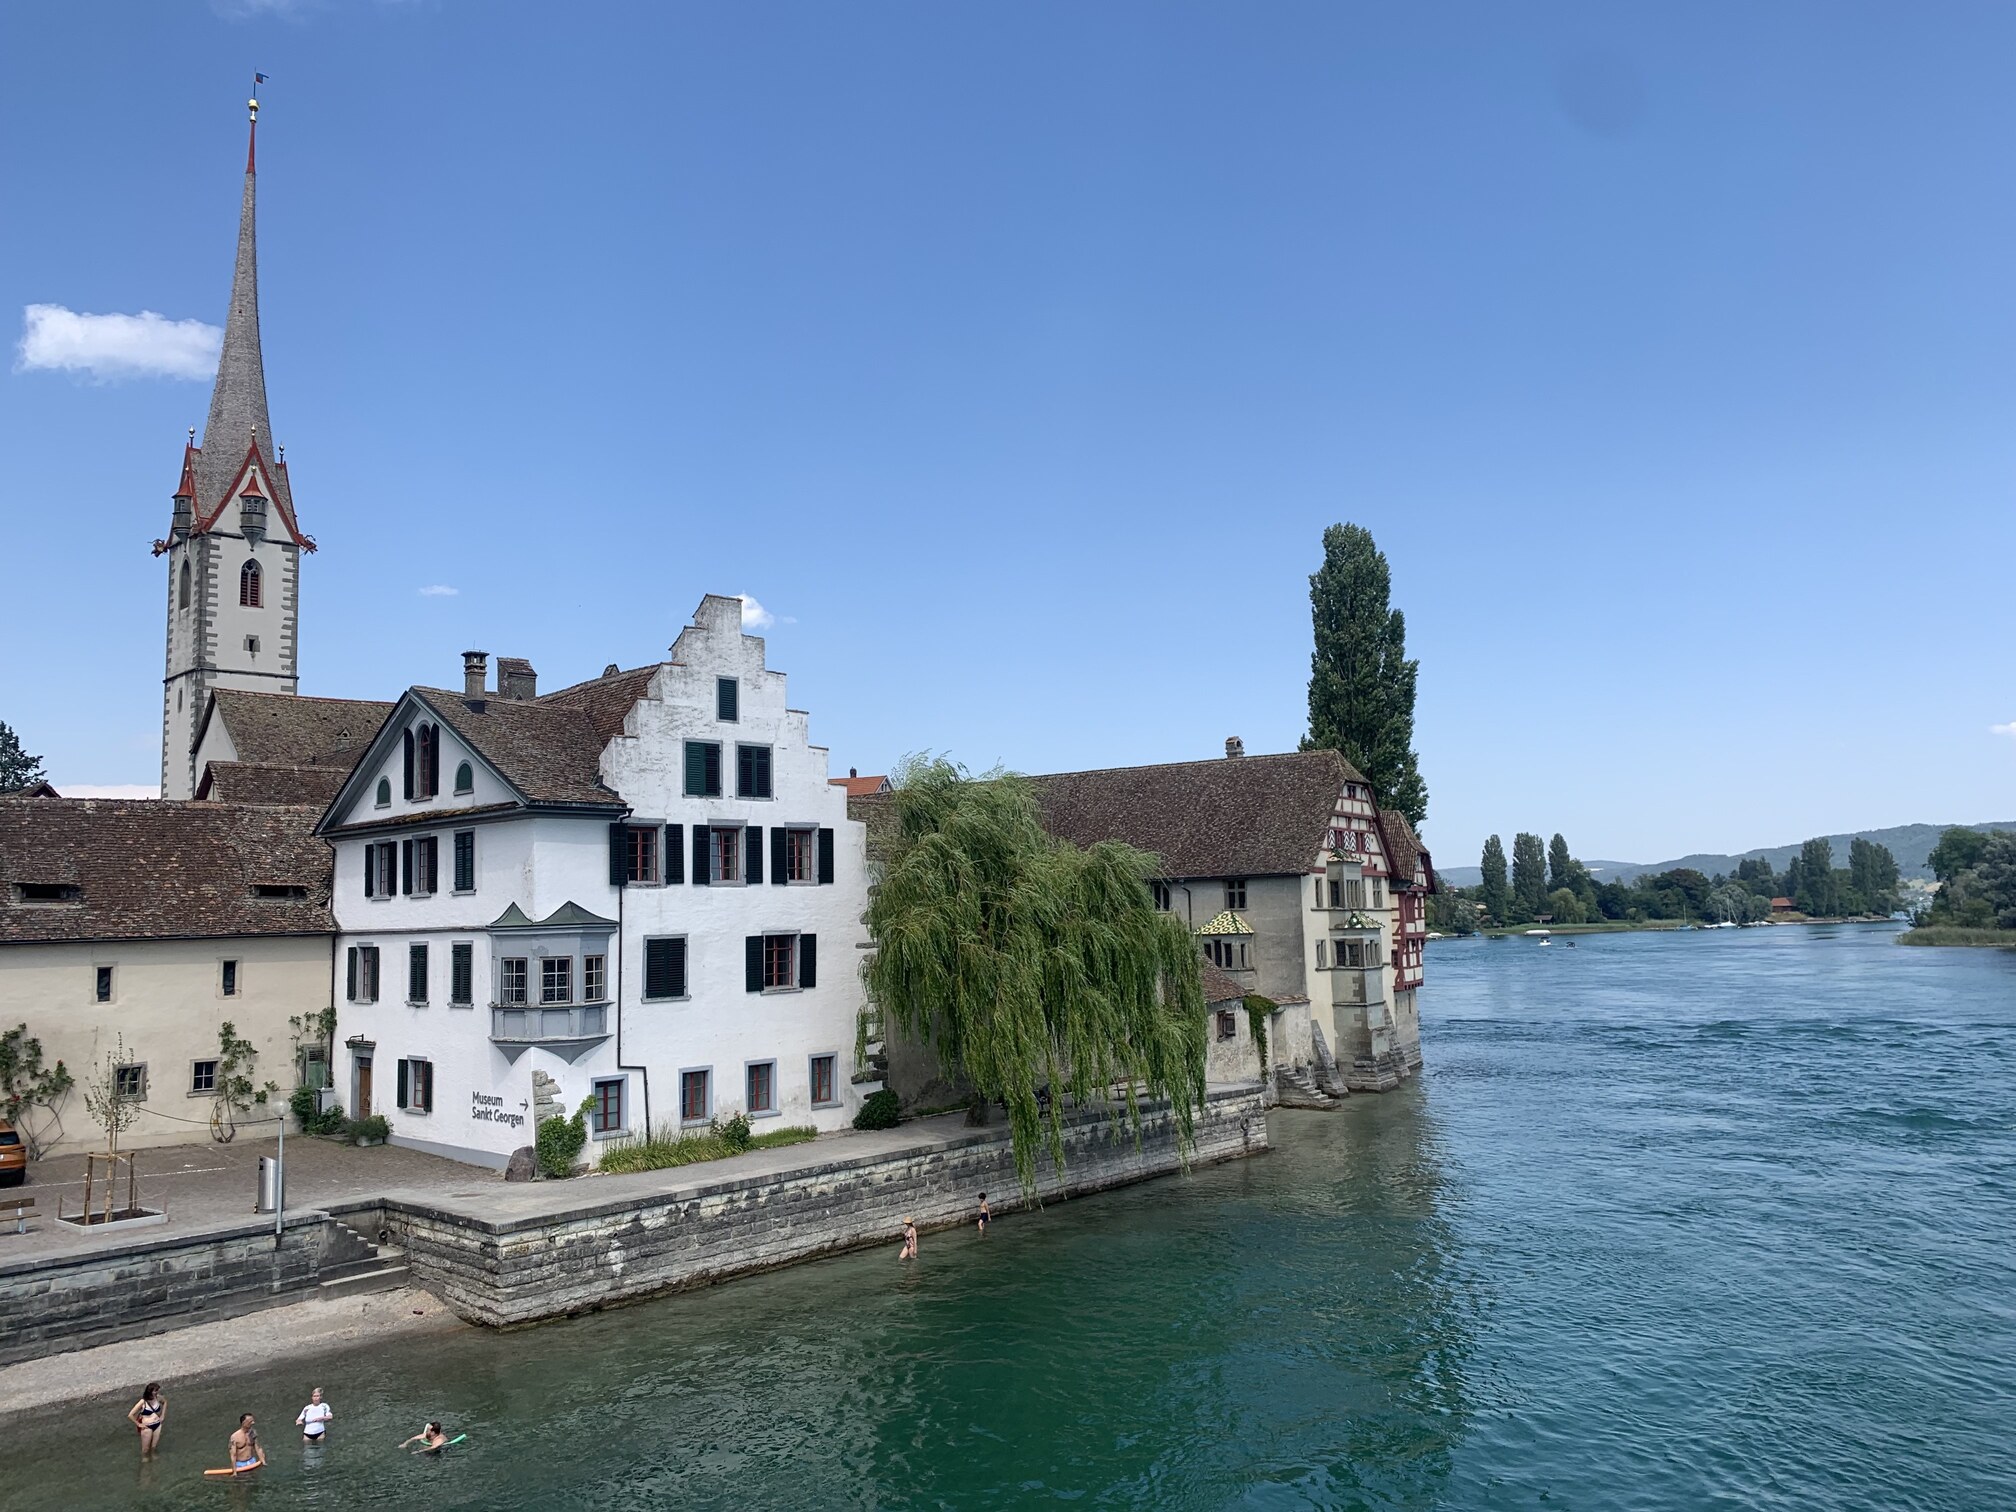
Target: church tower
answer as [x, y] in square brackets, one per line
[234, 546]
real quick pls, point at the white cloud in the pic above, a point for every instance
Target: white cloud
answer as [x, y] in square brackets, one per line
[108, 790]
[439, 590]
[754, 615]
[115, 346]
[2008, 729]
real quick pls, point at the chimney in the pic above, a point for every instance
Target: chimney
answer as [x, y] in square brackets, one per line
[611, 670]
[853, 771]
[475, 667]
[1234, 747]
[516, 679]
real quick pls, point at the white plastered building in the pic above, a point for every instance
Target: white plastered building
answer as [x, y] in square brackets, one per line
[640, 891]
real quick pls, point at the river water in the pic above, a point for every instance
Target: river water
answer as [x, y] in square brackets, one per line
[1679, 1221]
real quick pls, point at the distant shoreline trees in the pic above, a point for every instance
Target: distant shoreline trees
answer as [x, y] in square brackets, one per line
[1551, 886]
[1976, 872]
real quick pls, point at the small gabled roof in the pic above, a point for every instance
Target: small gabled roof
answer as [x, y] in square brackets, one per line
[861, 787]
[1225, 922]
[1247, 816]
[569, 915]
[1404, 850]
[1219, 987]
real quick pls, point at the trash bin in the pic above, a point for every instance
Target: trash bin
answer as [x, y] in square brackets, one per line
[271, 1195]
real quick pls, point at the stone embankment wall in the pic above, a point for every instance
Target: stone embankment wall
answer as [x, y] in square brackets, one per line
[613, 1249]
[129, 1289]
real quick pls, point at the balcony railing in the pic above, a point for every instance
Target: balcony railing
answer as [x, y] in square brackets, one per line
[566, 1029]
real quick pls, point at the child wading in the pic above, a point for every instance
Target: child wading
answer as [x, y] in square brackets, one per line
[986, 1212]
[148, 1414]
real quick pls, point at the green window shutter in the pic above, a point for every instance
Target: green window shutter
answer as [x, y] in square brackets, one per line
[726, 699]
[350, 981]
[619, 854]
[678, 968]
[696, 769]
[405, 1082]
[808, 960]
[826, 855]
[780, 861]
[752, 854]
[713, 771]
[675, 853]
[753, 962]
[700, 872]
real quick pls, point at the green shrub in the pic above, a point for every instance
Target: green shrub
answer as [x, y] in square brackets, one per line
[736, 1133]
[377, 1126]
[305, 1104]
[881, 1110]
[560, 1141]
[778, 1138]
[661, 1149]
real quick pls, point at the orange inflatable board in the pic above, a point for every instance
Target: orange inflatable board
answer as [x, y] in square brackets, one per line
[246, 1471]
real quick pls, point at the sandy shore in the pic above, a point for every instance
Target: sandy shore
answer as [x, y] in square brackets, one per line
[255, 1339]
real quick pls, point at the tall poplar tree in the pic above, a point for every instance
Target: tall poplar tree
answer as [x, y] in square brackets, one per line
[1492, 892]
[1560, 865]
[1361, 682]
[1529, 875]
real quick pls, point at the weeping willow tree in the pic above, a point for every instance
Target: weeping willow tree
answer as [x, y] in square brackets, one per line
[1027, 963]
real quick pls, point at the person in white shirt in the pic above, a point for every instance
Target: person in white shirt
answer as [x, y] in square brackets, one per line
[315, 1417]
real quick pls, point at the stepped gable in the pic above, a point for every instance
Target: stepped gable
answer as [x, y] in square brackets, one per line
[286, 729]
[150, 869]
[1249, 816]
[271, 784]
[548, 748]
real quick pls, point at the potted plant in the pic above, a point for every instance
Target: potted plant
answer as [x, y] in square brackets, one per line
[375, 1130]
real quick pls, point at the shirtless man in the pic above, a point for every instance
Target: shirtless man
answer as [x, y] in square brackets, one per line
[986, 1213]
[430, 1437]
[246, 1453]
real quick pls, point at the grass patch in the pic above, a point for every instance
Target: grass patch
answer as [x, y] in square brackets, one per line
[1948, 934]
[662, 1149]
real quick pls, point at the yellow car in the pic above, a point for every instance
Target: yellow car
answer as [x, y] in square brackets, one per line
[13, 1156]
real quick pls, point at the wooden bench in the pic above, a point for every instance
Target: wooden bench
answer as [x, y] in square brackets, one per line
[20, 1209]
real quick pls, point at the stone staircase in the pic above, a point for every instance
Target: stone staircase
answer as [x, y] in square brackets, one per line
[355, 1267]
[1297, 1087]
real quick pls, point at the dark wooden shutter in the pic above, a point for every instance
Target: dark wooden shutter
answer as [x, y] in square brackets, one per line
[657, 968]
[700, 871]
[713, 771]
[808, 960]
[753, 954]
[826, 855]
[405, 1083]
[696, 769]
[350, 980]
[678, 967]
[433, 760]
[426, 1069]
[619, 854]
[406, 866]
[724, 699]
[752, 852]
[780, 859]
[409, 763]
[370, 871]
[675, 853]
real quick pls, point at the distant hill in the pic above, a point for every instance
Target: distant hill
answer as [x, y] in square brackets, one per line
[1909, 843]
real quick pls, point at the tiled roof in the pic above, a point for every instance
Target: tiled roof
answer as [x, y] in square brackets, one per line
[549, 748]
[1225, 922]
[1247, 816]
[285, 729]
[861, 787]
[1219, 987]
[1404, 850]
[255, 782]
[148, 869]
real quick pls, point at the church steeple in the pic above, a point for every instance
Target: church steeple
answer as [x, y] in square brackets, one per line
[234, 547]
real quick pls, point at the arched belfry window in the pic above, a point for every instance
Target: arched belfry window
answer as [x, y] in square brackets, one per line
[182, 593]
[248, 586]
[423, 761]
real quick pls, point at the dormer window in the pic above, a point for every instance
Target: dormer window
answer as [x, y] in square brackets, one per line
[250, 593]
[48, 892]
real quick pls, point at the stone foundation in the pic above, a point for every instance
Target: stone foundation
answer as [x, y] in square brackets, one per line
[614, 1247]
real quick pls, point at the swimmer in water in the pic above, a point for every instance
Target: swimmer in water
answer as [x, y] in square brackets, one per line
[245, 1451]
[986, 1213]
[909, 1250]
[314, 1419]
[148, 1414]
[428, 1438]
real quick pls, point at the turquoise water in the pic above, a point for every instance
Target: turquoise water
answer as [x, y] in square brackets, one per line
[1672, 1221]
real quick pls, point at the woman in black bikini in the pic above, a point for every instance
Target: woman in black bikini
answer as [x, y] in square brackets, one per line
[148, 1414]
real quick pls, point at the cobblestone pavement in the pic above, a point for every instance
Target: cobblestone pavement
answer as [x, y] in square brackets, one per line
[199, 1185]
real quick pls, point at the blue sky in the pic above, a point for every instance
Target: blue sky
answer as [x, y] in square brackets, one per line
[1015, 357]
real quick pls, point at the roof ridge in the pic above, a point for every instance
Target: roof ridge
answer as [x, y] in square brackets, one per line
[1200, 761]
